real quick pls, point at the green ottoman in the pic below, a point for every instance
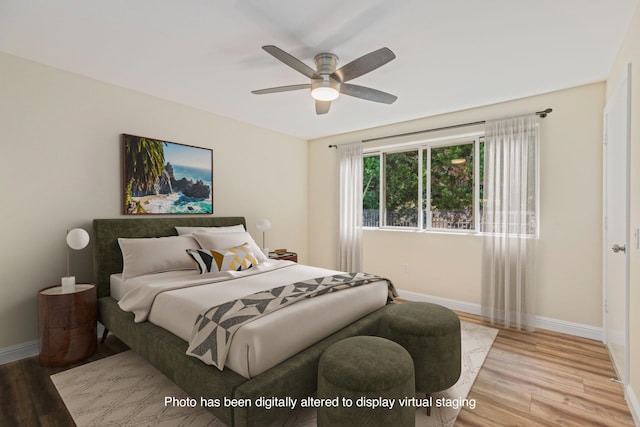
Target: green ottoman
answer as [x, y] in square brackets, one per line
[431, 334]
[367, 372]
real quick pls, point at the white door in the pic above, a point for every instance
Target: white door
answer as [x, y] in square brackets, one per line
[616, 226]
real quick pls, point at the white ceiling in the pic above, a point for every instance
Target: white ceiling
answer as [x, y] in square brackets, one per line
[451, 54]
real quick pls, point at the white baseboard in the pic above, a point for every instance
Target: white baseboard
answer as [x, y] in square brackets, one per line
[570, 328]
[20, 351]
[29, 349]
[453, 304]
[634, 405]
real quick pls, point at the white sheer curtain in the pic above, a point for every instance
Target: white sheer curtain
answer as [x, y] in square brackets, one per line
[350, 207]
[510, 221]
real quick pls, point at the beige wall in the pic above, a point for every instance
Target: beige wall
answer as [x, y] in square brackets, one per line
[630, 53]
[448, 266]
[60, 168]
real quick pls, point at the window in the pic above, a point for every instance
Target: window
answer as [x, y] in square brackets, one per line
[432, 185]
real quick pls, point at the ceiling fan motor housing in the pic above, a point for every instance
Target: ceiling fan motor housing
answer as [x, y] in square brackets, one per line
[326, 63]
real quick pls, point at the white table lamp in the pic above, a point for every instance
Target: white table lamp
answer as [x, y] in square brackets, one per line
[264, 225]
[77, 239]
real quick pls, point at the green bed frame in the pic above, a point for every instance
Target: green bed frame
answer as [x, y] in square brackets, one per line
[295, 377]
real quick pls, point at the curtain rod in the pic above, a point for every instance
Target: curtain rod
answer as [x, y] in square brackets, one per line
[542, 114]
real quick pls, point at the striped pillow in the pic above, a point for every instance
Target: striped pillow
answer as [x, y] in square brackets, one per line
[237, 258]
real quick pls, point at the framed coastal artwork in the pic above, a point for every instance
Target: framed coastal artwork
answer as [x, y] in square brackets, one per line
[162, 177]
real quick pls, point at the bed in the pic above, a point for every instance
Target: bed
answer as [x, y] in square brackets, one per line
[294, 376]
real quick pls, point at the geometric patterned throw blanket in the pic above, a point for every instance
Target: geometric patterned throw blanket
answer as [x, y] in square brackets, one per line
[214, 328]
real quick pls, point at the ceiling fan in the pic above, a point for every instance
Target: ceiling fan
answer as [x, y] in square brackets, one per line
[327, 83]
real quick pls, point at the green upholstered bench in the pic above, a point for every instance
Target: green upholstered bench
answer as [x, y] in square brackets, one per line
[365, 370]
[431, 334]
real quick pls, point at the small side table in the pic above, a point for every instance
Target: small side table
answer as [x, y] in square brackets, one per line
[67, 324]
[286, 256]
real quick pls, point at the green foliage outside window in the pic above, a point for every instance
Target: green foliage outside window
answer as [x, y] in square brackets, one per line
[401, 188]
[371, 182]
[452, 177]
[452, 186]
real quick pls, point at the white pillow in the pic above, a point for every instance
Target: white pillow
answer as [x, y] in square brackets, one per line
[228, 229]
[156, 254]
[229, 240]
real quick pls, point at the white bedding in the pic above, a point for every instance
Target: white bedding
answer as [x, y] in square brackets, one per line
[173, 300]
[119, 286]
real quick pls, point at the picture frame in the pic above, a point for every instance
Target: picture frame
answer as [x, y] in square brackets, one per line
[163, 177]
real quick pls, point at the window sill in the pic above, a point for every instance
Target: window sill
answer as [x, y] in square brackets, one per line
[445, 232]
[430, 231]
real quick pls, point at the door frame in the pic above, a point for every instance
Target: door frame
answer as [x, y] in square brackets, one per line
[622, 371]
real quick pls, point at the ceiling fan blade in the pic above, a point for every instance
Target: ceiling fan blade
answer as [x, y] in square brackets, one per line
[367, 93]
[322, 107]
[281, 89]
[291, 61]
[364, 64]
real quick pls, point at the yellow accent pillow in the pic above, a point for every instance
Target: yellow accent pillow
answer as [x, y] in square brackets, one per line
[237, 258]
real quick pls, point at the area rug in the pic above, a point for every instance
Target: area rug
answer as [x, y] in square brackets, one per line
[125, 391]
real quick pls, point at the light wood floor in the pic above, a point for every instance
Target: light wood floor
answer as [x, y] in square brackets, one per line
[544, 378]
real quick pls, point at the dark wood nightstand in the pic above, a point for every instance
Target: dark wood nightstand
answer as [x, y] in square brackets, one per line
[286, 256]
[67, 324]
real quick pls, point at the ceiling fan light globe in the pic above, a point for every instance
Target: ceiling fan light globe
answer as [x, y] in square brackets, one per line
[325, 90]
[324, 94]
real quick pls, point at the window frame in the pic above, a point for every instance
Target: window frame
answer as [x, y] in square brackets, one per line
[424, 209]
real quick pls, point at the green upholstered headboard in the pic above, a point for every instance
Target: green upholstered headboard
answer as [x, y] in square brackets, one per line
[107, 258]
